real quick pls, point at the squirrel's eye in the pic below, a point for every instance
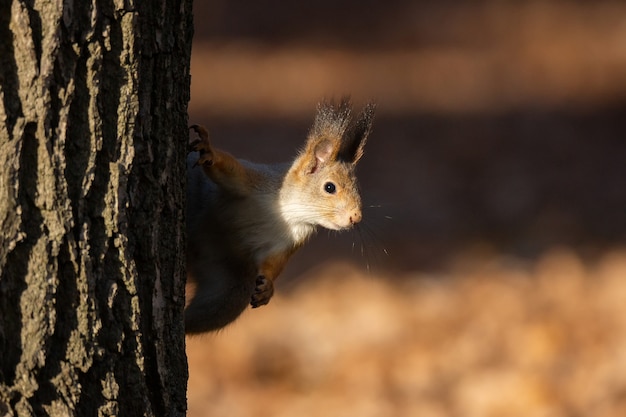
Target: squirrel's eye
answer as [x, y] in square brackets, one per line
[330, 188]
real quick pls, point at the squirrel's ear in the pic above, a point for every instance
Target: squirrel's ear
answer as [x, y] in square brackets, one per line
[353, 140]
[324, 151]
[319, 153]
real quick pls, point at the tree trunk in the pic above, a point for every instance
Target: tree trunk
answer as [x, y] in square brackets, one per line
[93, 134]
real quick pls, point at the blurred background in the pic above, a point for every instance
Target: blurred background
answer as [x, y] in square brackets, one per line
[489, 275]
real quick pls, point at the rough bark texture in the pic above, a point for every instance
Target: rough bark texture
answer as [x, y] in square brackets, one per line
[93, 132]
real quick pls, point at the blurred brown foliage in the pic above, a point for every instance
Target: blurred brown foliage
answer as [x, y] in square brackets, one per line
[494, 180]
[499, 339]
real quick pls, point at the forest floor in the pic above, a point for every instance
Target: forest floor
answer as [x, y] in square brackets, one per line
[491, 339]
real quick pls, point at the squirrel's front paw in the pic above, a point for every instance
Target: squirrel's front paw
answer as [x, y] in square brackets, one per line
[262, 292]
[201, 145]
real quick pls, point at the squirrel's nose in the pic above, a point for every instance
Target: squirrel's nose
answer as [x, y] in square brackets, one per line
[355, 217]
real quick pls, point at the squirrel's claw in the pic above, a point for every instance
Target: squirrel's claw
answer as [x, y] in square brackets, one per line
[205, 160]
[201, 131]
[201, 145]
[193, 144]
[263, 292]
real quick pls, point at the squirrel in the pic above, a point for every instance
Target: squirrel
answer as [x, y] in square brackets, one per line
[245, 220]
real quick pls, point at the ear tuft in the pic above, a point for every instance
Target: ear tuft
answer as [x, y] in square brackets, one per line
[331, 121]
[354, 138]
[333, 138]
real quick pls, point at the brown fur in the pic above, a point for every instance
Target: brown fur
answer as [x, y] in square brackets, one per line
[245, 220]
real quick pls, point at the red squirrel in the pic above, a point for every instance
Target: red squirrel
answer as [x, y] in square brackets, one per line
[244, 220]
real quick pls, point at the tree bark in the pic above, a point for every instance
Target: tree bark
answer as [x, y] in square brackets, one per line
[93, 134]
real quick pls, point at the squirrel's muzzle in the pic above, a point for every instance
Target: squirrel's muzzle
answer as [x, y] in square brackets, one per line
[355, 217]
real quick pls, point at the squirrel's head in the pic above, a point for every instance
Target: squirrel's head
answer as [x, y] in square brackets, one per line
[321, 187]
